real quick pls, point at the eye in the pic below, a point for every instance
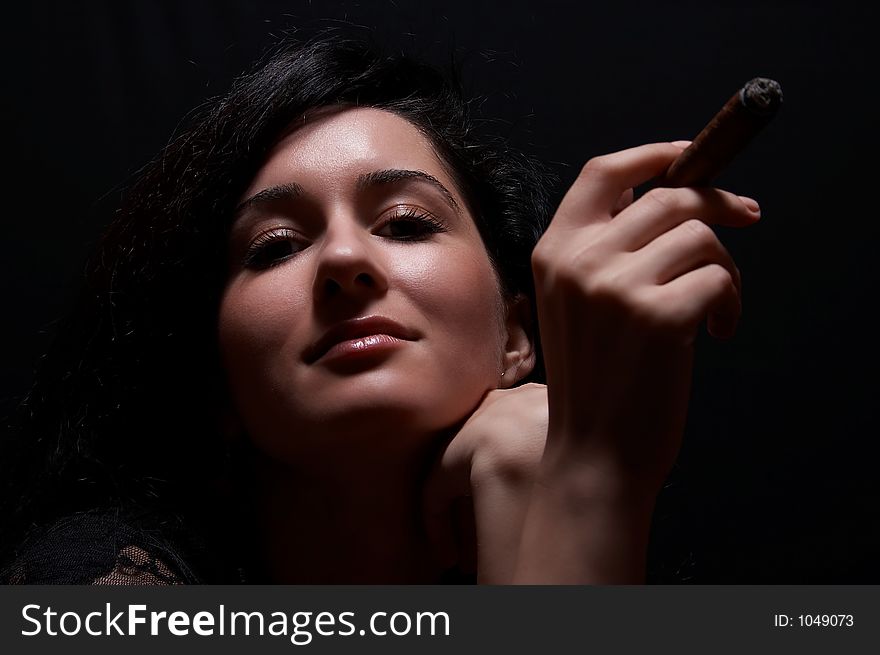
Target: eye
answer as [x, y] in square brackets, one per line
[272, 247]
[410, 224]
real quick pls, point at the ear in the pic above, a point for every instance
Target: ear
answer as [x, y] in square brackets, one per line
[519, 350]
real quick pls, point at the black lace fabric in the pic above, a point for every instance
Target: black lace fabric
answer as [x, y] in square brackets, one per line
[105, 548]
[136, 566]
[97, 548]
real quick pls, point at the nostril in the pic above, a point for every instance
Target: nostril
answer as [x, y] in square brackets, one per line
[344, 280]
[331, 287]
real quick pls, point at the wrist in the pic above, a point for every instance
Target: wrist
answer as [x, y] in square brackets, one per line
[588, 522]
[575, 537]
[584, 474]
[595, 491]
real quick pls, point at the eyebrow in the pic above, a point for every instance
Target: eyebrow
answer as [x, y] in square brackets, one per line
[292, 190]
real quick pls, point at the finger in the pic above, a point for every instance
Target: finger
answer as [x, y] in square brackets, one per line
[684, 248]
[624, 201]
[708, 290]
[604, 179]
[662, 209]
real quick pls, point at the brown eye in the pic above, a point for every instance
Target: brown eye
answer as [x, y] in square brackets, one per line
[271, 248]
[411, 225]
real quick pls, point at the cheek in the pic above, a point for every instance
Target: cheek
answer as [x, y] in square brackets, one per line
[259, 319]
[460, 294]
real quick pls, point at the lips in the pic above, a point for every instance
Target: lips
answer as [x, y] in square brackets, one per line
[357, 328]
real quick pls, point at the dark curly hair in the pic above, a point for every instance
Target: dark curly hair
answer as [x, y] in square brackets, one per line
[123, 410]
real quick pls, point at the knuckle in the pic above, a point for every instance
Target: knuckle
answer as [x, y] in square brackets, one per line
[663, 197]
[547, 252]
[601, 284]
[652, 315]
[637, 303]
[613, 294]
[540, 257]
[699, 232]
[585, 262]
[567, 255]
[719, 278]
[602, 165]
[648, 309]
[675, 318]
[570, 269]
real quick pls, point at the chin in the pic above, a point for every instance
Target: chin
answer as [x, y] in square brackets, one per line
[389, 403]
[403, 413]
[407, 405]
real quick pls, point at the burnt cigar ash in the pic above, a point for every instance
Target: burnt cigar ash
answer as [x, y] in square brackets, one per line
[729, 131]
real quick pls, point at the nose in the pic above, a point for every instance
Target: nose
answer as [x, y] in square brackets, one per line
[349, 264]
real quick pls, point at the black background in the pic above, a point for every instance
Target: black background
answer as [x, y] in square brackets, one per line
[777, 479]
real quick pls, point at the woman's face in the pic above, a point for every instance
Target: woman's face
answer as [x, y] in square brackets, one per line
[360, 296]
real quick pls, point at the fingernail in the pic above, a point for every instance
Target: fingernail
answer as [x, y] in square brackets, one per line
[751, 204]
[682, 144]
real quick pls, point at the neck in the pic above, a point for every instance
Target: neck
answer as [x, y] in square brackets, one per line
[359, 523]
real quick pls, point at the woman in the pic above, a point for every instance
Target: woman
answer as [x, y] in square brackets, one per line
[305, 349]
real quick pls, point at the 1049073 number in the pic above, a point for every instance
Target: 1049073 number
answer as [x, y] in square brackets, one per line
[825, 620]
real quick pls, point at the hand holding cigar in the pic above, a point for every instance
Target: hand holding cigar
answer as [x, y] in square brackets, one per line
[622, 286]
[744, 115]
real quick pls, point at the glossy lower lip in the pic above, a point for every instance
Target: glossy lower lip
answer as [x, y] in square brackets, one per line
[362, 347]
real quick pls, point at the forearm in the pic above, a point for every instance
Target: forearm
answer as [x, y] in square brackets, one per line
[584, 529]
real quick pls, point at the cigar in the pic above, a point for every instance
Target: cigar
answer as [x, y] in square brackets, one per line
[744, 115]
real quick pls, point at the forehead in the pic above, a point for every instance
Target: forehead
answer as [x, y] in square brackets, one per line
[331, 144]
